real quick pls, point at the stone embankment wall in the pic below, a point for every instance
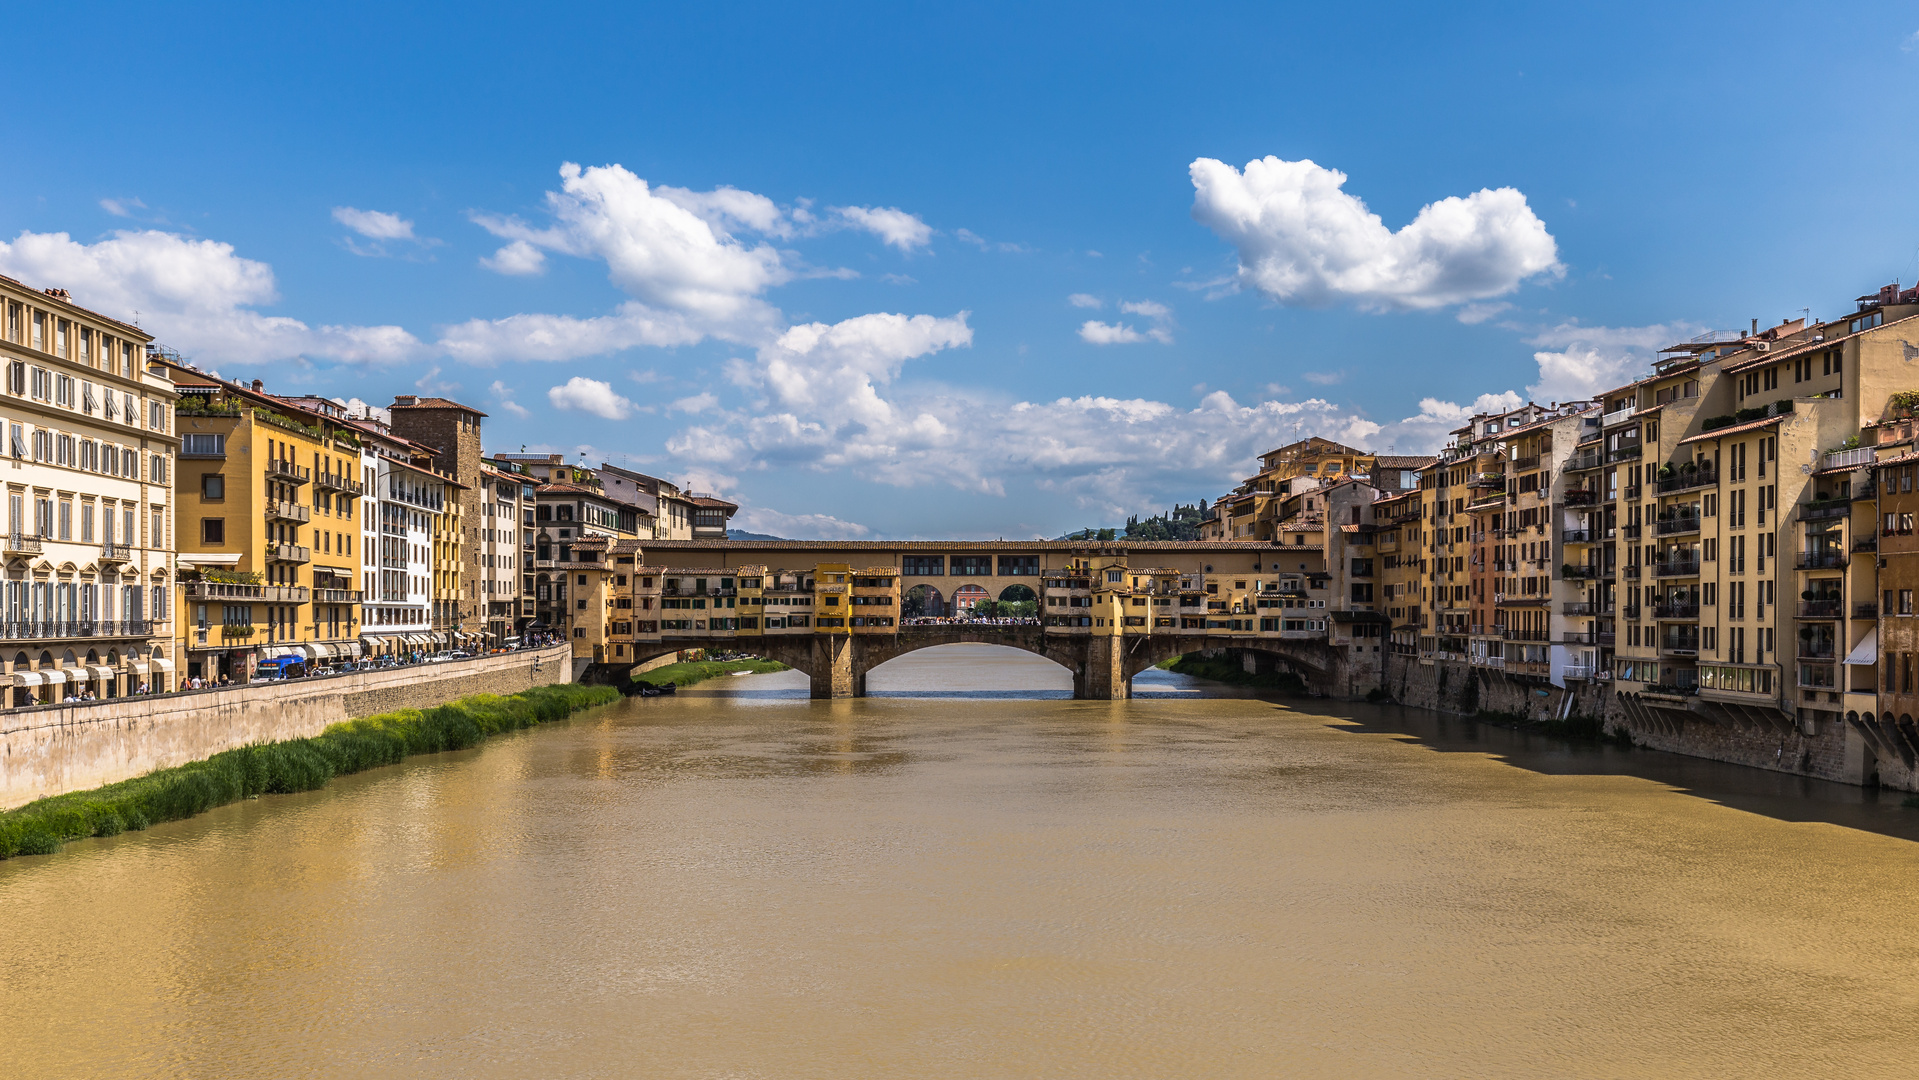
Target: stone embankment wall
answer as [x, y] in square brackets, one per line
[59, 748]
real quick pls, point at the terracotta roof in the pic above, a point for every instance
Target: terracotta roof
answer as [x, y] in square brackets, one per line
[702, 501]
[42, 294]
[436, 403]
[1902, 459]
[1403, 461]
[1736, 429]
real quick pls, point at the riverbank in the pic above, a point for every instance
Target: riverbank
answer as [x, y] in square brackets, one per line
[695, 671]
[285, 766]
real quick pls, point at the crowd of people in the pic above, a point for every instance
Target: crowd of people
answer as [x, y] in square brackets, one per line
[968, 620]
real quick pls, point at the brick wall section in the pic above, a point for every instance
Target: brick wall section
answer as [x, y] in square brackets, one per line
[48, 751]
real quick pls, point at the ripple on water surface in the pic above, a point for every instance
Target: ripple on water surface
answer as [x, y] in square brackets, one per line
[970, 874]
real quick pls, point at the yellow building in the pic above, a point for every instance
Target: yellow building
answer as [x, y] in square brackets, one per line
[266, 503]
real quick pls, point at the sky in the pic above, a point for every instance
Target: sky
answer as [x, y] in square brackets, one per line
[962, 271]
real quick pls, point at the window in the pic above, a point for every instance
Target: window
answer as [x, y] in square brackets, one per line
[16, 377]
[923, 565]
[213, 486]
[157, 420]
[213, 531]
[210, 445]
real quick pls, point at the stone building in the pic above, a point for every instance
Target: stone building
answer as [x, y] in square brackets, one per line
[452, 430]
[88, 549]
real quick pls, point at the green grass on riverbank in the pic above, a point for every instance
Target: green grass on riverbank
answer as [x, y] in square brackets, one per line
[1230, 672]
[686, 674]
[351, 746]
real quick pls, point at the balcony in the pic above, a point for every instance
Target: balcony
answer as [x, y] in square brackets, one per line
[1488, 480]
[21, 544]
[338, 596]
[283, 510]
[1676, 568]
[1613, 419]
[43, 631]
[1571, 572]
[1630, 532]
[1526, 464]
[1587, 609]
[1819, 560]
[1817, 651]
[1579, 496]
[1631, 570]
[1576, 536]
[1628, 452]
[1587, 637]
[1523, 635]
[1687, 479]
[266, 594]
[1865, 611]
[1679, 646]
[286, 472]
[1591, 459]
[1822, 609]
[112, 552]
[1675, 611]
[327, 481]
[1865, 543]
[1675, 526]
[1825, 509]
[1631, 492]
[1848, 459]
[289, 553]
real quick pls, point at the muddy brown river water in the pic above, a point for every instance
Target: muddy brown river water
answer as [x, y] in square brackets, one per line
[967, 875]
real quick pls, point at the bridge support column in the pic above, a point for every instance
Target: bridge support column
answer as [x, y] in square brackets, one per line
[832, 667]
[1102, 677]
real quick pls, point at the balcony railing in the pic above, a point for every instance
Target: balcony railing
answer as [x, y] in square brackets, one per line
[1675, 611]
[1676, 568]
[1848, 459]
[1825, 510]
[1673, 526]
[1576, 536]
[1579, 496]
[1526, 464]
[40, 630]
[287, 472]
[1628, 452]
[1821, 609]
[1631, 492]
[289, 553]
[1865, 543]
[1679, 646]
[1819, 560]
[1630, 532]
[21, 544]
[1587, 608]
[1865, 611]
[1687, 479]
[1620, 417]
[112, 552]
[1570, 572]
[1817, 650]
[1588, 460]
[339, 482]
[270, 594]
[283, 510]
[338, 596]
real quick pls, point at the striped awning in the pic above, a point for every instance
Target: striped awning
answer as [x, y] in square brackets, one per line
[162, 664]
[27, 678]
[104, 674]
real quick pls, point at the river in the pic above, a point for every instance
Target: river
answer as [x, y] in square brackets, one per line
[968, 875]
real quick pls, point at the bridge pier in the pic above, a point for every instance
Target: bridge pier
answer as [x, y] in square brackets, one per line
[832, 668]
[1101, 675]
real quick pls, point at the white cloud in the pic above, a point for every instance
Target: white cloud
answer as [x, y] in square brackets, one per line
[1322, 378]
[1099, 333]
[503, 395]
[728, 209]
[1911, 44]
[1474, 314]
[1583, 361]
[1085, 300]
[197, 296]
[655, 249]
[122, 207]
[564, 337]
[698, 403]
[580, 394]
[1303, 240]
[374, 224]
[798, 526]
[517, 259]
[894, 226]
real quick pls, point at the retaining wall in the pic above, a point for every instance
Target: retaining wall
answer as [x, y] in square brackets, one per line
[59, 748]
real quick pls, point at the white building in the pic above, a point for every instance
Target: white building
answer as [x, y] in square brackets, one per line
[404, 494]
[88, 551]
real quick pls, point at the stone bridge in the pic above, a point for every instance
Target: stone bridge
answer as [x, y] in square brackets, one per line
[1102, 666]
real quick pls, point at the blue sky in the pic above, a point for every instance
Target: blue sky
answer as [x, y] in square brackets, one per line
[862, 268]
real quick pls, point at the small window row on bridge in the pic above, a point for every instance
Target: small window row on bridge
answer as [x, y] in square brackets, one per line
[969, 566]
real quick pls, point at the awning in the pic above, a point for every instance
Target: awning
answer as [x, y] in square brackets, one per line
[162, 664]
[104, 674]
[352, 650]
[27, 678]
[274, 652]
[1867, 651]
[54, 678]
[306, 652]
[77, 674]
[186, 559]
[139, 666]
[324, 651]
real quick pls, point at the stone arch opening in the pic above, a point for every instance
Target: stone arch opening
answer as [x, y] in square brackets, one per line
[967, 669]
[966, 597]
[922, 601]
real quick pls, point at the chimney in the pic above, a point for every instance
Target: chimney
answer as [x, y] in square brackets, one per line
[259, 387]
[58, 294]
[1755, 329]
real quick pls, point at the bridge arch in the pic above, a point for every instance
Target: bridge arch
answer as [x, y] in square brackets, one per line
[994, 656]
[923, 601]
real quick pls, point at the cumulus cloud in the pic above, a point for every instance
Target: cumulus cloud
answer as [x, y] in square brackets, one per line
[565, 337]
[1302, 240]
[698, 403]
[1323, 378]
[122, 207]
[894, 226]
[517, 259]
[581, 394]
[1085, 300]
[1583, 361]
[198, 296]
[657, 250]
[798, 526]
[1095, 332]
[374, 224]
